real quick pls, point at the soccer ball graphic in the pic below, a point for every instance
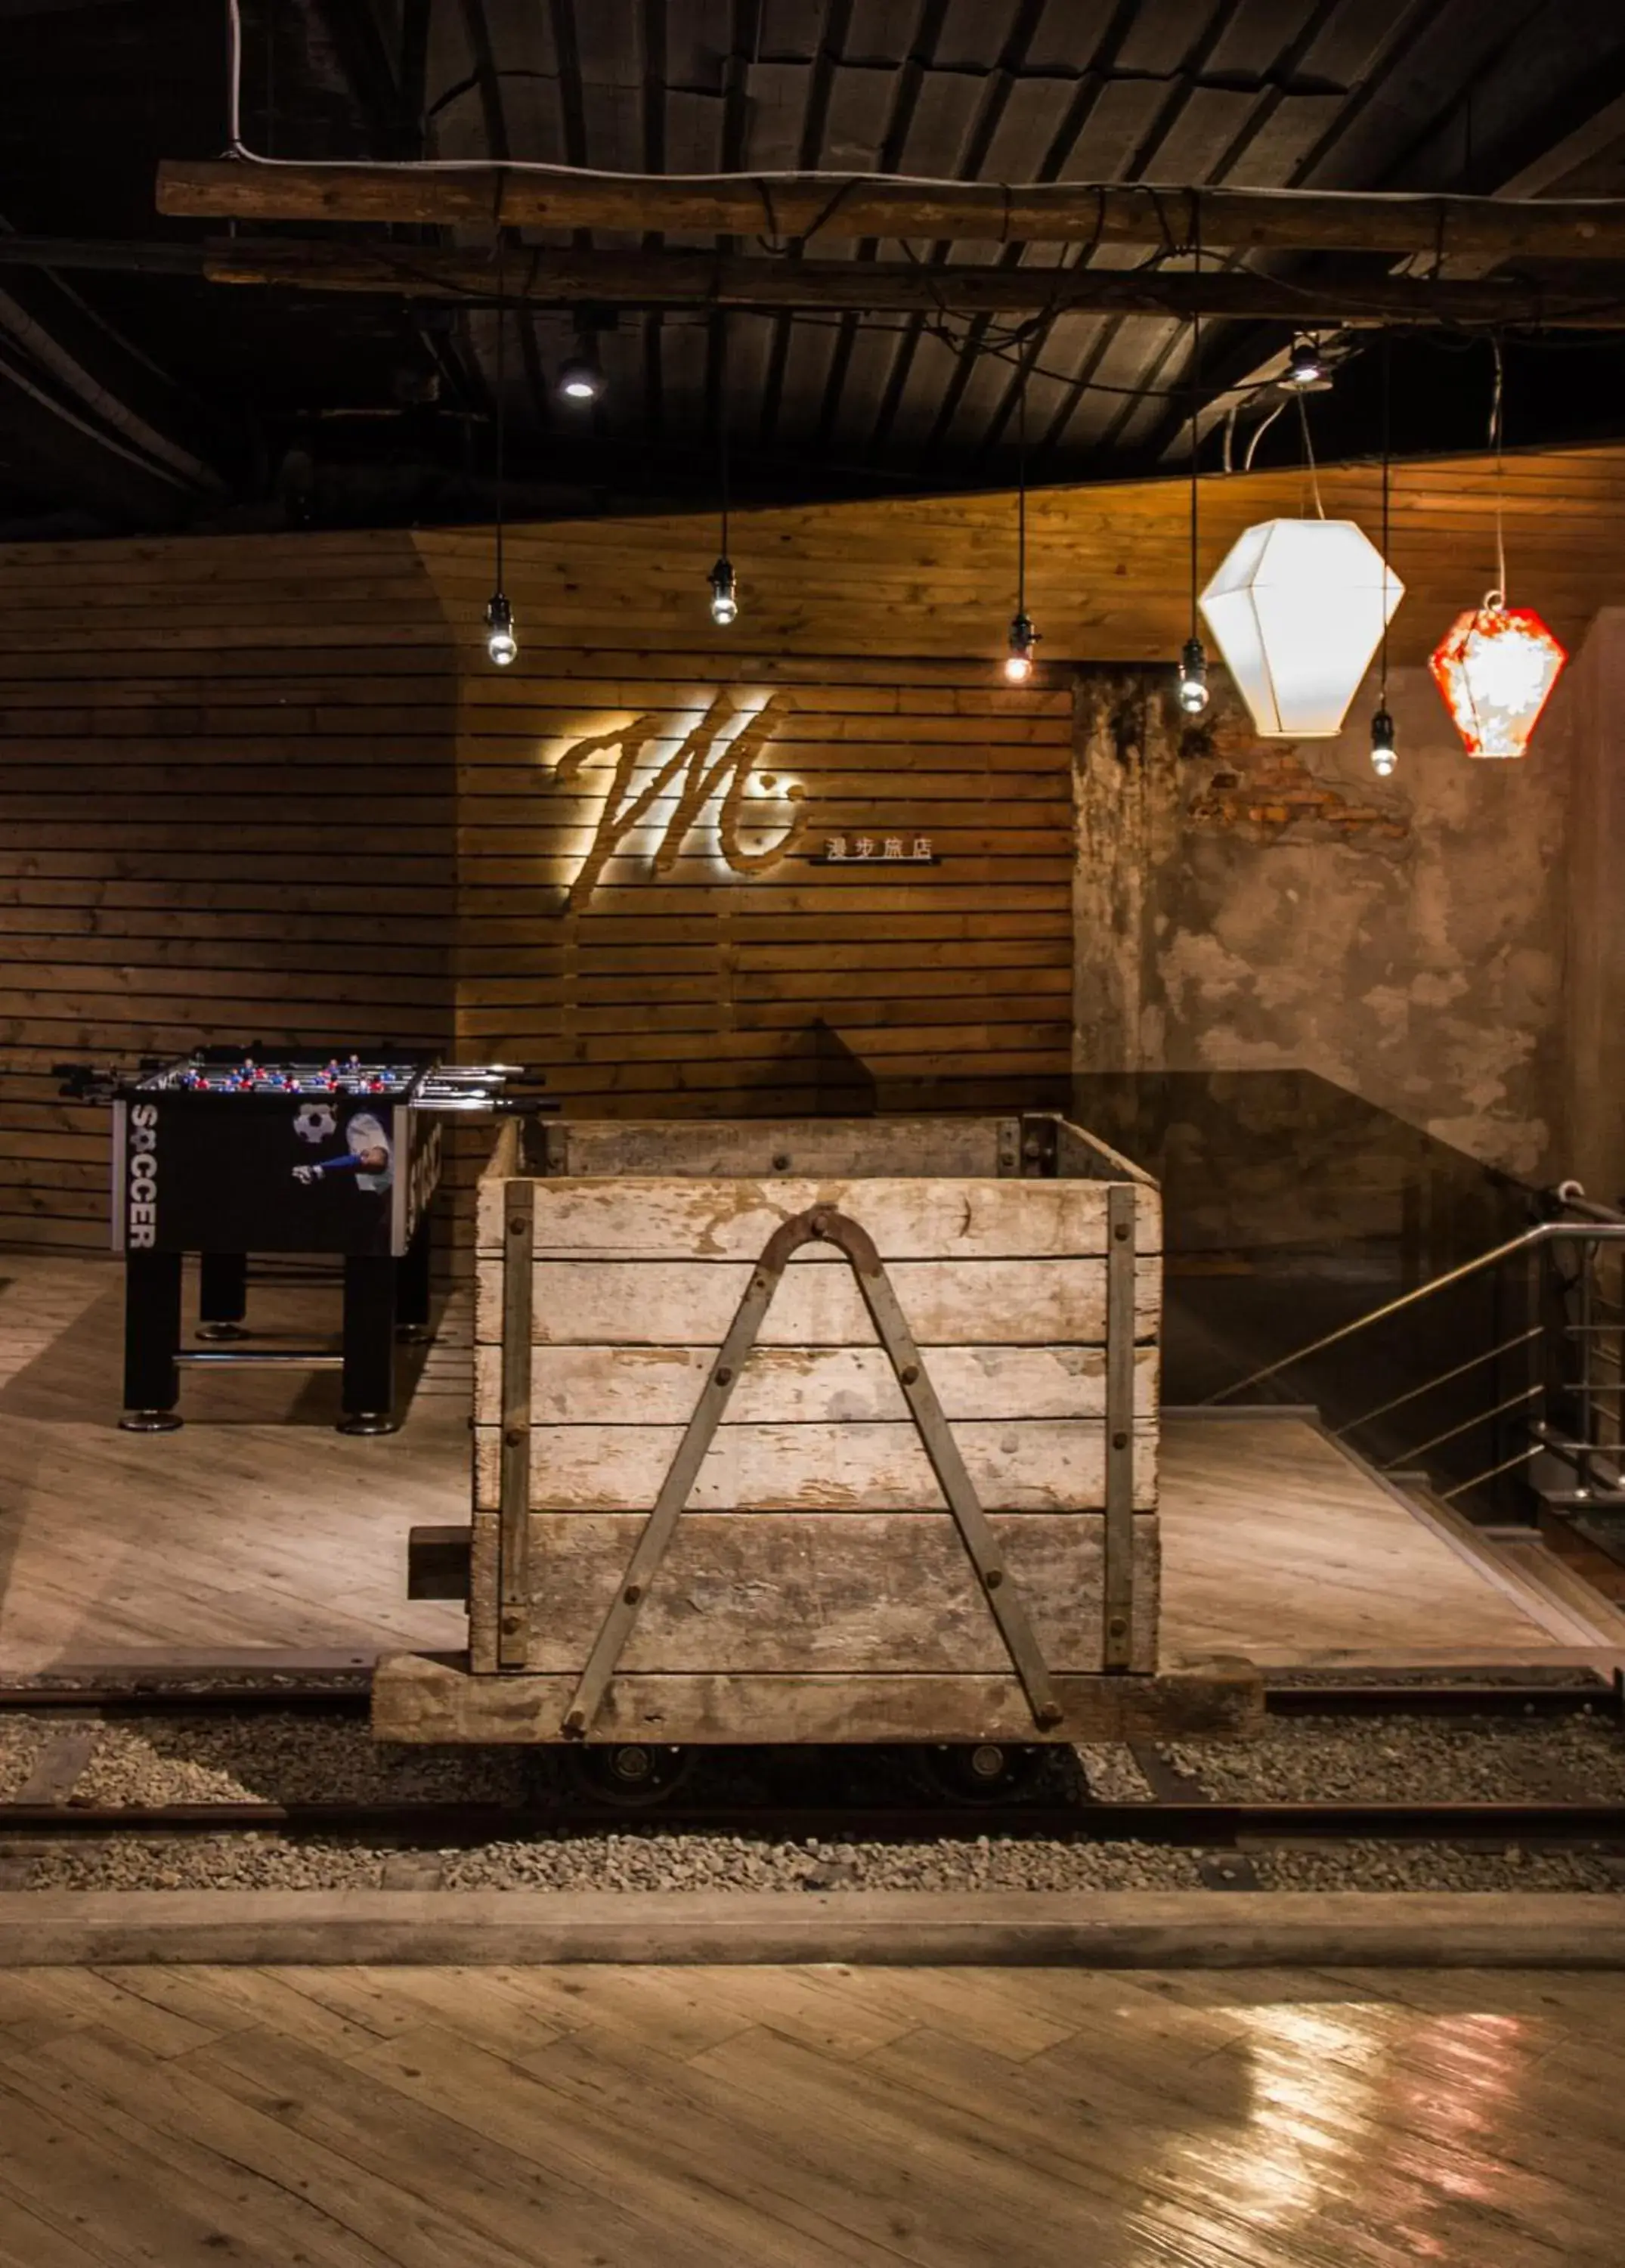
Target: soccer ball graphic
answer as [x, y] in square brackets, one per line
[313, 1121]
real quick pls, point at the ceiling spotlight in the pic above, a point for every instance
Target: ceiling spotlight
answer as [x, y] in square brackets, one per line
[725, 593]
[1384, 755]
[1192, 678]
[580, 378]
[1304, 370]
[500, 643]
[1019, 660]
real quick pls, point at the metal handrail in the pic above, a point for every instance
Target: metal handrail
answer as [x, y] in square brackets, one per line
[1573, 1198]
[1454, 1432]
[1440, 1378]
[1608, 1231]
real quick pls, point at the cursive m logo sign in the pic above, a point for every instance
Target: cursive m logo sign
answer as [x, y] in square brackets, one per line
[714, 757]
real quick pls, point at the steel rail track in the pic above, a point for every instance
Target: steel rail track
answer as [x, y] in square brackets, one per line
[1191, 1822]
[1478, 1699]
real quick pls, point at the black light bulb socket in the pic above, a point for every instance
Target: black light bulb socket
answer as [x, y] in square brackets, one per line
[1193, 677]
[1304, 365]
[500, 642]
[1384, 755]
[724, 590]
[1023, 638]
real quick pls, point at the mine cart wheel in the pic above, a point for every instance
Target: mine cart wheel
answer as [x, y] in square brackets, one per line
[631, 1774]
[984, 1772]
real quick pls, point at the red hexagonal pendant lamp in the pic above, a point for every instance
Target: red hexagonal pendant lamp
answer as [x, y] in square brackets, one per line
[1496, 666]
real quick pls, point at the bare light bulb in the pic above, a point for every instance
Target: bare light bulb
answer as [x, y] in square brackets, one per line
[500, 643]
[1193, 677]
[1384, 756]
[580, 378]
[725, 593]
[1019, 660]
[1304, 366]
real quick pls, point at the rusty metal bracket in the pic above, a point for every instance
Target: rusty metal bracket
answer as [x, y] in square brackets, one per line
[1117, 1586]
[821, 1224]
[514, 1500]
[1039, 1144]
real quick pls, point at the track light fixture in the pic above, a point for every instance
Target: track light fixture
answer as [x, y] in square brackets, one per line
[1305, 369]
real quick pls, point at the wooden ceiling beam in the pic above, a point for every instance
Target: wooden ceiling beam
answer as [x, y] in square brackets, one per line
[563, 277]
[796, 207]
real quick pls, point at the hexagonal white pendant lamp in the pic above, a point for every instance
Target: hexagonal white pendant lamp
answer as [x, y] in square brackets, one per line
[1297, 610]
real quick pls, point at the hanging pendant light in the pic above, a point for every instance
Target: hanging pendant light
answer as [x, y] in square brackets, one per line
[500, 642]
[1297, 608]
[1305, 371]
[724, 583]
[1496, 664]
[1193, 679]
[1496, 668]
[724, 591]
[1384, 755]
[1023, 637]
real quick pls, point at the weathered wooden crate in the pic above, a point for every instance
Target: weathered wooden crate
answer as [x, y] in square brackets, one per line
[815, 1583]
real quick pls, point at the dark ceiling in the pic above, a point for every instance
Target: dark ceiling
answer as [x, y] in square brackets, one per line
[149, 401]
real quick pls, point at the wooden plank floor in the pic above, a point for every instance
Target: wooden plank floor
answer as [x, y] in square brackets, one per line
[259, 1527]
[735, 2118]
[1278, 1546]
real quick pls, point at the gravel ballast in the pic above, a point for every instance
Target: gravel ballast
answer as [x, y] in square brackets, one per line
[1413, 1760]
[649, 1860]
[280, 1757]
[20, 1741]
[286, 1759]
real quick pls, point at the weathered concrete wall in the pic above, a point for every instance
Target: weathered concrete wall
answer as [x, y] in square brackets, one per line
[1244, 903]
[1594, 990]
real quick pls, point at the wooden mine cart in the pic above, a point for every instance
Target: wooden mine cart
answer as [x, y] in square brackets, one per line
[824, 1430]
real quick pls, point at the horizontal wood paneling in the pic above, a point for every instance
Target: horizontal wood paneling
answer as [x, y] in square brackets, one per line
[677, 985]
[944, 1219]
[272, 785]
[948, 1302]
[218, 822]
[865, 1595]
[1016, 1464]
[787, 1386]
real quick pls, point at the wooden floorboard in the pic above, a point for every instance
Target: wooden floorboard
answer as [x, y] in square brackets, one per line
[258, 1528]
[604, 2119]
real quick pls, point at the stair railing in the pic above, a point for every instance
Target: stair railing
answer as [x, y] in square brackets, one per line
[1567, 1390]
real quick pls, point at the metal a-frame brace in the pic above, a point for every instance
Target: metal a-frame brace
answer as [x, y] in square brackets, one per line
[823, 1224]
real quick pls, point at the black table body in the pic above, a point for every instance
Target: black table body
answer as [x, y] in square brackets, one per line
[223, 1173]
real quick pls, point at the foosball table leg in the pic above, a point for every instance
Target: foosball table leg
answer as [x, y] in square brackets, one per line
[223, 1295]
[369, 1388]
[151, 1341]
[412, 1288]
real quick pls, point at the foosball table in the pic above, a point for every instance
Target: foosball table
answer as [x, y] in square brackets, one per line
[224, 1153]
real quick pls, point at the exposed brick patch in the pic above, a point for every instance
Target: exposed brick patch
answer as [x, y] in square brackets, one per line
[1269, 789]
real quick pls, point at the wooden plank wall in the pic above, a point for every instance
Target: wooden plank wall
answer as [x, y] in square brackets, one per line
[273, 785]
[226, 773]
